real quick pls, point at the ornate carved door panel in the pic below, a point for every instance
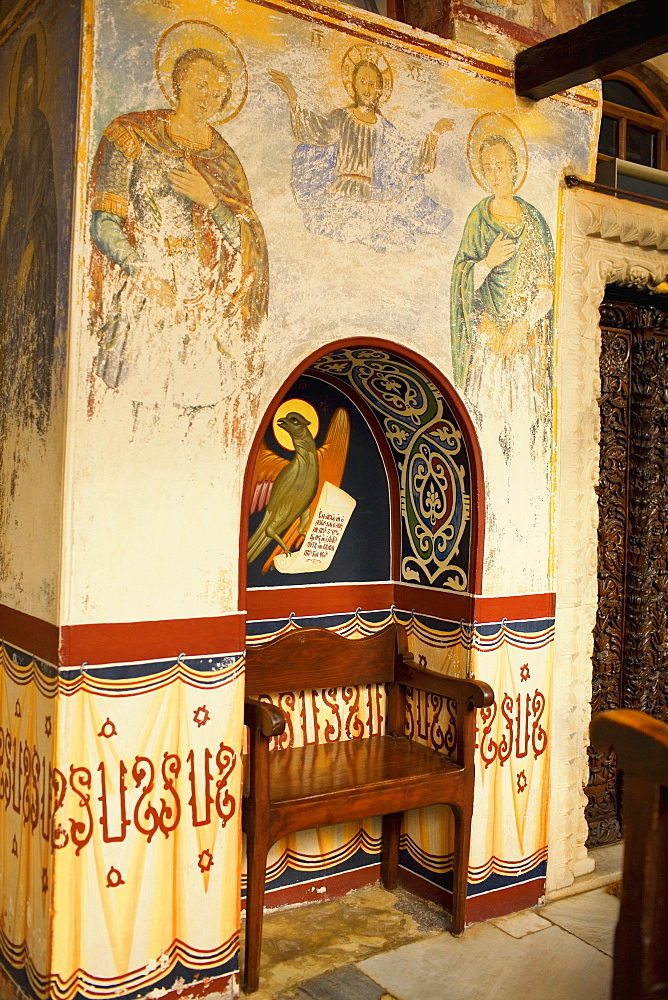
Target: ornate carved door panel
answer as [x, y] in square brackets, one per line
[631, 636]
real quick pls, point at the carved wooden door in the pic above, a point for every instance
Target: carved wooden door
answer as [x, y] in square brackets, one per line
[631, 635]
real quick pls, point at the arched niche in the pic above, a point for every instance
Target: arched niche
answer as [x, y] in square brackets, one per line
[404, 409]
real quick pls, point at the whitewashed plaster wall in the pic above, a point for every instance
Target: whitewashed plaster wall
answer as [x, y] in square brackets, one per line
[604, 241]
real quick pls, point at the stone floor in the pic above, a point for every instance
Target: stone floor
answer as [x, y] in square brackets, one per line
[378, 945]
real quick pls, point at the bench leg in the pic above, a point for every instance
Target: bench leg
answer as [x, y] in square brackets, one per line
[256, 873]
[389, 867]
[460, 865]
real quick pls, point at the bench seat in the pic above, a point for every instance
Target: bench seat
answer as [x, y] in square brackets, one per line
[299, 788]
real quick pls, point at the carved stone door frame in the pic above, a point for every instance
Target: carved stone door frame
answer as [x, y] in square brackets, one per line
[603, 241]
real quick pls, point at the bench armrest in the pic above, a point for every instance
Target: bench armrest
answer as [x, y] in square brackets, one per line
[459, 689]
[640, 742]
[269, 719]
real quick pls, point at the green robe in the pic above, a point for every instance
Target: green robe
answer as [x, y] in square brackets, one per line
[507, 289]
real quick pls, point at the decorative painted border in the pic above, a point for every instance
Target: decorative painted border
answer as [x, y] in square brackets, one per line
[211, 970]
[119, 680]
[407, 39]
[494, 875]
[122, 642]
[438, 632]
[183, 961]
[604, 240]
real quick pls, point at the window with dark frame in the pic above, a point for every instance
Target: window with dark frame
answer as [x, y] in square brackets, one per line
[634, 126]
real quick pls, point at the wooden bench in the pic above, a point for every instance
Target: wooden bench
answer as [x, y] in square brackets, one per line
[317, 785]
[641, 939]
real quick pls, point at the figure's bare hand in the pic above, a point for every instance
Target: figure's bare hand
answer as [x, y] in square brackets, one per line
[156, 289]
[516, 334]
[443, 125]
[191, 183]
[500, 251]
[282, 81]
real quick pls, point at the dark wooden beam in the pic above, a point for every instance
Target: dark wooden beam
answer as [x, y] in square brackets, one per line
[613, 41]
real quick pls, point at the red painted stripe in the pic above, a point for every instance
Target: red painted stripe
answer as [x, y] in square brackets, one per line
[485, 905]
[444, 604]
[497, 903]
[129, 642]
[395, 33]
[346, 597]
[310, 890]
[463, 12]
[514, 608]
[220, 985]
[27, 632]
[337, 598]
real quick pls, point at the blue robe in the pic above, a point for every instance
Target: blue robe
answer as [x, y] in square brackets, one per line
[364, 183]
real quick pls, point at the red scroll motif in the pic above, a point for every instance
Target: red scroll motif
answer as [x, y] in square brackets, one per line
[431, 720]
[63, 806]
[225, 804]
[523, 732]
[81, 830]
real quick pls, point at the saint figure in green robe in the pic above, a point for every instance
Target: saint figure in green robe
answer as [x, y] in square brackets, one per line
[501, 299]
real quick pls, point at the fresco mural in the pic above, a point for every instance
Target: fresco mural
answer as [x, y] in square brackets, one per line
[38, 87]
[503, 291]
[501, 320]
[28, 246]
[544, 17]
[322, 288]
[184, 265]
[28, 271]
[356, 178]
[320, 506]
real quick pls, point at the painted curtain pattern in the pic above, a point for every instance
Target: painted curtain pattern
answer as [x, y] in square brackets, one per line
[115, 781]
[147, 795]
[28, 690]
[509, 832]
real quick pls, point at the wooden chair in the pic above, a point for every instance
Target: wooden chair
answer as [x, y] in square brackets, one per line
[317, 785]
[641, 938]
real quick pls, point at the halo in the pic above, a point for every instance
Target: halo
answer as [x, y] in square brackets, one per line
[201, 35]
[486, 126]
[294, 406]
[366, 53]
[36, 29]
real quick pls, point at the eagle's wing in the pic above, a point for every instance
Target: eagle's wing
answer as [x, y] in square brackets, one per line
[332, 455]
[267, 466]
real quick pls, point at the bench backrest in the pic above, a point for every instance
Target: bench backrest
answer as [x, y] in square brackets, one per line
[311, 658]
